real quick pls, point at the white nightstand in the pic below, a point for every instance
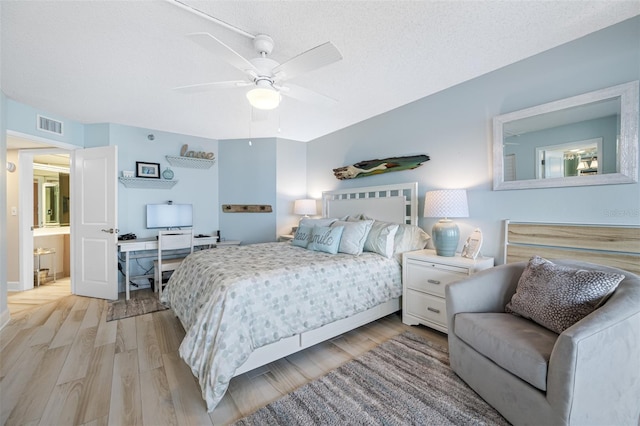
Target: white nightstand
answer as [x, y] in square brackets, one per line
[424, 277]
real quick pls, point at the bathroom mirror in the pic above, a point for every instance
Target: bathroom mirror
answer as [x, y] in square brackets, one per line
[51, 195]
[590, 139]
[51, 203]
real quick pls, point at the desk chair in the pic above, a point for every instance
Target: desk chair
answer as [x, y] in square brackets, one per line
[170, 240]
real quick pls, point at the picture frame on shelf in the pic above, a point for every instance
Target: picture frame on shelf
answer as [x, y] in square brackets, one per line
[147, 170]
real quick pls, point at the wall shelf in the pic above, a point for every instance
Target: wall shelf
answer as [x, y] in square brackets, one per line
[147, 183]
[191, 162]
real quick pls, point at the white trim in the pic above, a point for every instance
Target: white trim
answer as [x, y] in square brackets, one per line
[40, 139]
[627, 149]
[5, 317]
[13, 286]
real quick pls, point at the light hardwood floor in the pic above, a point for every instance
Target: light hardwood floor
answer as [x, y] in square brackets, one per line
[45, 293]
[61, 363]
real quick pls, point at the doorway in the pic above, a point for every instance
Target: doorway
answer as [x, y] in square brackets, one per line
[51, 219]
[94, 221]
[26, 214]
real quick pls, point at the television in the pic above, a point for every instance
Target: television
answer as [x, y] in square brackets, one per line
[169, 216]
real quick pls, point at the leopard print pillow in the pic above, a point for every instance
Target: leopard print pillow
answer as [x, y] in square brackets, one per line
[556, 297]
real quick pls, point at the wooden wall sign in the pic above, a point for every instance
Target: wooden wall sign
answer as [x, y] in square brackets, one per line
[184, 152]
[377, 166]
[246, 208]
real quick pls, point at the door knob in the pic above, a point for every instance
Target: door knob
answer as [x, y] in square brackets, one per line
[110, 230]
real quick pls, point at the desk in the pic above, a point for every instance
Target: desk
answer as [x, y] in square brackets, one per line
[149, 247]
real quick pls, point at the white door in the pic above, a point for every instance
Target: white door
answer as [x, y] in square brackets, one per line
[553, 164]
[94, 250]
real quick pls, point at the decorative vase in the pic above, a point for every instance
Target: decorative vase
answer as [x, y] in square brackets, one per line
[167, 174]
[445, 236]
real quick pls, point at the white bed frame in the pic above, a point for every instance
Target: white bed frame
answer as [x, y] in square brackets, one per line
[391, 203]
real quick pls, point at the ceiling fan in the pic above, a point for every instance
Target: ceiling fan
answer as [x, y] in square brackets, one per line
[266, 75]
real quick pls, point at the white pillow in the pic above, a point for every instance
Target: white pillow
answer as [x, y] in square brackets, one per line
[380, 238]
[354, 235]
[325, 221]
[409, 238]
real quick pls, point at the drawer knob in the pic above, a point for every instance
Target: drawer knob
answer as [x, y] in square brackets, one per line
[433, 281]
[429, 308]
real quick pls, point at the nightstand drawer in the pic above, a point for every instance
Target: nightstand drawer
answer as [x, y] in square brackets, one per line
[430, 277]
[426, 307]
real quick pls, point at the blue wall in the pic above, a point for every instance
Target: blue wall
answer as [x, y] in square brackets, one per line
[454, 128]
[248, 176]
[22, 118]
[194, 186]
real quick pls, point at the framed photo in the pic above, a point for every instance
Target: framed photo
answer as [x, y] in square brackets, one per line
[472, 247]
[147, 170]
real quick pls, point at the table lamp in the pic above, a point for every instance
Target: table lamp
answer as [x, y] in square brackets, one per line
[446, 203]
[305, 207]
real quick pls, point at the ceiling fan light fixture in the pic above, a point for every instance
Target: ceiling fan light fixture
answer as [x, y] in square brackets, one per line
[264, 97]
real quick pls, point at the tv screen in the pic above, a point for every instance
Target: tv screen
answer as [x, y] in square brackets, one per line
[169, 216]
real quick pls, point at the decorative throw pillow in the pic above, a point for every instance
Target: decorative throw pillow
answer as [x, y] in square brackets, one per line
[353, 236]
[380, 238]
[325, 238]
[556, 296]
[302, 236]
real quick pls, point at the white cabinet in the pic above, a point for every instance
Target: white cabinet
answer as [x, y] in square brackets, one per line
[424, 277]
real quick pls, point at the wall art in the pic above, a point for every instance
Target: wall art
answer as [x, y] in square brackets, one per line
[378, 166]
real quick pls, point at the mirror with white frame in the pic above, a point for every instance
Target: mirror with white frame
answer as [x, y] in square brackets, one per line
[590, 139]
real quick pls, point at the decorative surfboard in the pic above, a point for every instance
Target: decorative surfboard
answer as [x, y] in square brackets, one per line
[378, 166]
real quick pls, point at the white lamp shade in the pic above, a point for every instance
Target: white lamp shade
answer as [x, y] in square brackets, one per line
[446, 203]
[263, 96]
[305, 207]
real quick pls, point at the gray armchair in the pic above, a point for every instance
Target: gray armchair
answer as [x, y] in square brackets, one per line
[587, 375]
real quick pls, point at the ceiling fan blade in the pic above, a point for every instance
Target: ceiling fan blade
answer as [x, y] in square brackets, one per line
[220, 49]
[203, 87]
[306, 95]
[310, 60]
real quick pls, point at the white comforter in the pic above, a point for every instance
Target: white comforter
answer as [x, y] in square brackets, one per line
[236, 299]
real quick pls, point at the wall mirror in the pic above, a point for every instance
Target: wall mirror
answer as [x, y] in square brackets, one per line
[590, 139]
[50, 194]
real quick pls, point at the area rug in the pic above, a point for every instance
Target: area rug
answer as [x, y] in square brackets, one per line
[141, 302]
[404, 381]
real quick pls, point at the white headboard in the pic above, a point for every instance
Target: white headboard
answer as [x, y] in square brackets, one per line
[390, 203]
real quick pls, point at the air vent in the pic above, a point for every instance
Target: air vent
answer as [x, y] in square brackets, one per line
[49, 125]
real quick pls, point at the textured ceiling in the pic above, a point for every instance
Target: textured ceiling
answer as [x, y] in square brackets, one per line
[117, 61]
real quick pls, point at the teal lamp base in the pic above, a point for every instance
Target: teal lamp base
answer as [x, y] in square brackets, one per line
[445, 236]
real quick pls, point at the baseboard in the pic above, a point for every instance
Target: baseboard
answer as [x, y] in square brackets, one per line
[13, 286]
[5, 317]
